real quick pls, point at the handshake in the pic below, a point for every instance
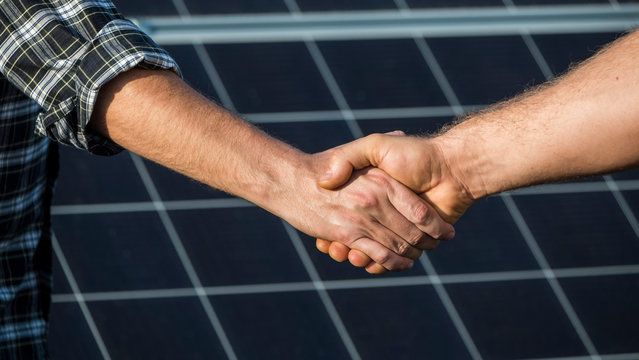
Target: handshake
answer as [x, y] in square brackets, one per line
[392, 197]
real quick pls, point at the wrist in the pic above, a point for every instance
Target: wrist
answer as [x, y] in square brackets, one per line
[463, 162]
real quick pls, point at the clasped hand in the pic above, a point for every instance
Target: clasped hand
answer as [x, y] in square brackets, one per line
[436, 199]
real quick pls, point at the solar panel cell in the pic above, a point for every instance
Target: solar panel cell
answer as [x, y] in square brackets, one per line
[607, 306]
[483, 70]
[516, 320]
[271, 77]
[238, 246]
[578, 230]
[382, 74]
[69, 334]
[173, 328]
[399, 323]
[131, 252]
[275, 326]
[101, 179]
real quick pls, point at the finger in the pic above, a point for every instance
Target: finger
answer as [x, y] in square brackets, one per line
[396, 133]
[338, 252]
[376, 269]
[358, 258]
[382, 255]
[356, 155]
[420, 213]
[392, 241]
[411, 235]
[322, 245]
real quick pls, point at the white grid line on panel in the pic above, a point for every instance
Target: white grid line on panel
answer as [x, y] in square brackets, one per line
[550, 276]
[183, 255]
[334, 88]
[321, 291]
[390, 24]
[457, 321]
[79, 298]
[85, 209]
[471, 278]
[214, 76]
[623, 204]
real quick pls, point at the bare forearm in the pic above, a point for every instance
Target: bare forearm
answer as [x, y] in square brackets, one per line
[156, 115]
[585, 123]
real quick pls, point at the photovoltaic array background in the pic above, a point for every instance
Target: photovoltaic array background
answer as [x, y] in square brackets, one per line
[151, 265]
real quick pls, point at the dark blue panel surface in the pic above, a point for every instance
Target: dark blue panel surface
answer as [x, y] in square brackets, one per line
[328, 269]
[173, 328]
[200, 7]
[453, 3]
[399, 323]
[192, 69]
[607, 307]
[175, 186]
[238, 246]
[335, 5]
[411, 126]
[145, 7]
[632, 197]
[271, 77]
[483, 70]
[627, 175]
[558, 2]
[382, 73]
[515, 320]
[60, 283]
[278, 326]
[562, 50]
[487, 240]
[578, 230]
[69, 334]
[311, 137]
[110, 252]
[90, 179]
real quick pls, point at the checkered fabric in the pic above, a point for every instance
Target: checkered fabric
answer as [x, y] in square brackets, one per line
[54, 57]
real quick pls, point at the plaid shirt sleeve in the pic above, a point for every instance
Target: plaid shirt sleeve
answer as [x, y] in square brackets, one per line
[60, 52]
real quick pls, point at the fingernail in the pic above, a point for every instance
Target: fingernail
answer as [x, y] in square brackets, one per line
[451, 234]
[327, 175]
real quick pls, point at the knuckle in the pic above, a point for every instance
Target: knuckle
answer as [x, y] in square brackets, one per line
[420, 213]
[403, 248]
[367, 200]
[416, 238]
[384, 257]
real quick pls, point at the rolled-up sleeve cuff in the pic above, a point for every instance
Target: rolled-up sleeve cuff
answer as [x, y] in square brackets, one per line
[118, 47]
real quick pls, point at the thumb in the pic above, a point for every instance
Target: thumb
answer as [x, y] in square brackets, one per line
[344, 159]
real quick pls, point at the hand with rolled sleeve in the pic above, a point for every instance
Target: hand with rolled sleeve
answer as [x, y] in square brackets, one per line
[584, 123]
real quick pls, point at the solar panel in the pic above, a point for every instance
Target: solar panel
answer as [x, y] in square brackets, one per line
[149, 264]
